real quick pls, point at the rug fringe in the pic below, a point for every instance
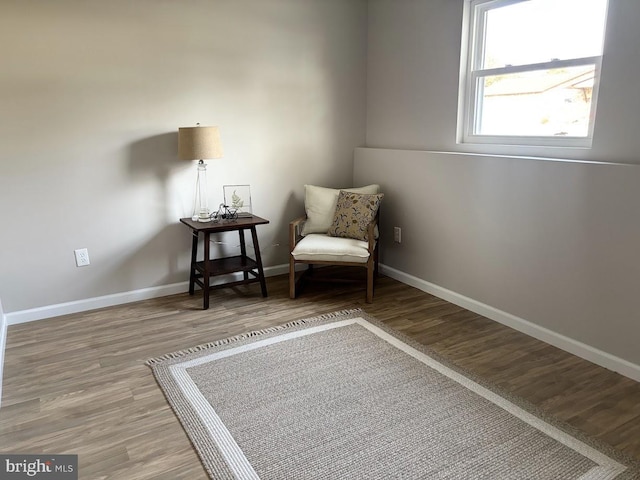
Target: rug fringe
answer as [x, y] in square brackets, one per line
[254, 333]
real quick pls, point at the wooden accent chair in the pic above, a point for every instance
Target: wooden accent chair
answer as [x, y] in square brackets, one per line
[310, 243]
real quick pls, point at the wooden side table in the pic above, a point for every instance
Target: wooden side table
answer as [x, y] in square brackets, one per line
[201, 272]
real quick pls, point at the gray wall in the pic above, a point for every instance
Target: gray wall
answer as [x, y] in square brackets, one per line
[552, 242]
[92, 94]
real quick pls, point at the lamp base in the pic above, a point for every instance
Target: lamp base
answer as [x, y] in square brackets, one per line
[201, 211]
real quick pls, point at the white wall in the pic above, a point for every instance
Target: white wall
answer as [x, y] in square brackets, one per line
[92, 95]
[552, 242]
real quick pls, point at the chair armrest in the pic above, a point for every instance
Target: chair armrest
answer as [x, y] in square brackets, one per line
[371, 228]
[294, 232]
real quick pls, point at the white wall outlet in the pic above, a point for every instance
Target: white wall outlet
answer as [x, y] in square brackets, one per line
[397, 234]
[82, 257]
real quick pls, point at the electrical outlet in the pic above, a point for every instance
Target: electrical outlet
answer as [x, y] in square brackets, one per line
[82, 257]
[397, 234]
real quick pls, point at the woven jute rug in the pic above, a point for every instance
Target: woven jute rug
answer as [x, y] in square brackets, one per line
[342, 396]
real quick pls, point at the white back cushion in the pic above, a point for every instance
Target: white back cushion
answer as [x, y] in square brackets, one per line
[320, 205]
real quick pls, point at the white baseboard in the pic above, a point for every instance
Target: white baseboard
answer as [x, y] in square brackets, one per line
[49, 311]
[567, 344]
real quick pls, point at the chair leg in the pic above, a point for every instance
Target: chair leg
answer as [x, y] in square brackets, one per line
[370, 276]
[376, 262]
[292, 277]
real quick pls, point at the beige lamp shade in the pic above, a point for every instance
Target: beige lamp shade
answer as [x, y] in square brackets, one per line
[199, 143]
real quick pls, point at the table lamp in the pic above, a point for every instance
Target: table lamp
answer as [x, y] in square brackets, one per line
[199, 143]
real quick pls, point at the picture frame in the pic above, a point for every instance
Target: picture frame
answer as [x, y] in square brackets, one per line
[238, 198]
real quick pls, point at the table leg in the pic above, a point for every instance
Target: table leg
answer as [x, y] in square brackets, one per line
[194, 254]
[206, 274]
[256, 247]
[243, 251]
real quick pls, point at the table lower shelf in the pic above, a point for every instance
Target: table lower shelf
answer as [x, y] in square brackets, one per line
[226, 266]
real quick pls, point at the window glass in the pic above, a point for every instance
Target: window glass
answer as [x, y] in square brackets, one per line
[541, 30]
[554, 102]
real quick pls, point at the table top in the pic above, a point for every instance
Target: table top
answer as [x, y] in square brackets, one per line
[224, 225]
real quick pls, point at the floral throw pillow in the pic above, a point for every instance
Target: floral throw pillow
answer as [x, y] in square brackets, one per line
[354, 213]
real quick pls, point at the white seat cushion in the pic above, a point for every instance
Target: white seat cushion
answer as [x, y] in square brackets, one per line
[324, 248]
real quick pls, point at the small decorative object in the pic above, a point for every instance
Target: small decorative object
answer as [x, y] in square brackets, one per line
[224, 212]
[238, 198]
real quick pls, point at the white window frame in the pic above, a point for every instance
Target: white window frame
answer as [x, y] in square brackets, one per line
[471, 72]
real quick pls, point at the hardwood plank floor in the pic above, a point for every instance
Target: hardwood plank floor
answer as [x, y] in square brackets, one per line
[78, 384]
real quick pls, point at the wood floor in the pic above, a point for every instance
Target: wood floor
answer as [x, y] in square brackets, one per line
[78, 384]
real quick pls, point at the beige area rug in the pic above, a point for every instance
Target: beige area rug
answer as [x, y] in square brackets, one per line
[342, 396]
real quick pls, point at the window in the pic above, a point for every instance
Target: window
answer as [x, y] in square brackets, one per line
[530, 72]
